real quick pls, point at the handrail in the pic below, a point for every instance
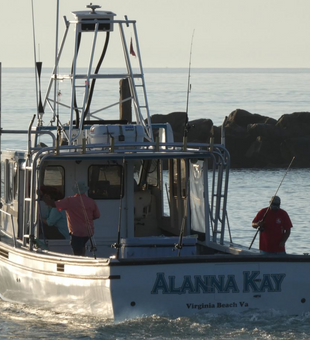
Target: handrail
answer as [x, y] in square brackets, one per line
[12, 221]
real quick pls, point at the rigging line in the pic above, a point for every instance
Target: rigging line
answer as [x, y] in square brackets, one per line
[189, 86]
[92, 243]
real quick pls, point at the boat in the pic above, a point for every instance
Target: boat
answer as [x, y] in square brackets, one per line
[162, 244]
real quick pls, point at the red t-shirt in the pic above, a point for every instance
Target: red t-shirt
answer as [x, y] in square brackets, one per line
[81, 211]
[276, 221]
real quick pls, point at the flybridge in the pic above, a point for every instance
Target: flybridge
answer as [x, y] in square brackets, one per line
[79, 89]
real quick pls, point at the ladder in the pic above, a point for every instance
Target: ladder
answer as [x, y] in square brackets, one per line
[218, 205]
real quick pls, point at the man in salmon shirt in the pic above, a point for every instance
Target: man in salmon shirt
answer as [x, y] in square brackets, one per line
[275, 227]
[81, 212]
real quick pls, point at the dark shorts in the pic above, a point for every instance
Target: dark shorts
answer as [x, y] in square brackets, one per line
[78, 244]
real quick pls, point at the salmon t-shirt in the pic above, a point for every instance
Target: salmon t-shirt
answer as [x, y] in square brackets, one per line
[81, 212]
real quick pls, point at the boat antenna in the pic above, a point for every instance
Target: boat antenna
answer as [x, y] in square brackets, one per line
[189, 87]
[268, 209]
[56, 57]
[38, 67]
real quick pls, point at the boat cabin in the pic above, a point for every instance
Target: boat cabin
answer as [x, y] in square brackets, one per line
[146, 195]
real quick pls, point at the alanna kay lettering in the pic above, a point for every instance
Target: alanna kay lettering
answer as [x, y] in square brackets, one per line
[197, 284]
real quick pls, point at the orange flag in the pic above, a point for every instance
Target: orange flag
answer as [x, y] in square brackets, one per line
[132, 52]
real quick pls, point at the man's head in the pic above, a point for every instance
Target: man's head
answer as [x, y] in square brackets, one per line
[275, 202]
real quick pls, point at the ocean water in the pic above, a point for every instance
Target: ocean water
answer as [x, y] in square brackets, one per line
[215, 93]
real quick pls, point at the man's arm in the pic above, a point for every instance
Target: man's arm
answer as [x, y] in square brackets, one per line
[48, 201]
[258, 224]
[96, 212]
[286, 235]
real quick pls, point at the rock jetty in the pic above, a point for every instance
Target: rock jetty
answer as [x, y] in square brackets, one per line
[253, 140]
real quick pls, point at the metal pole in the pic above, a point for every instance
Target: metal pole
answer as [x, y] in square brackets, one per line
[0, 130]
[56, 56]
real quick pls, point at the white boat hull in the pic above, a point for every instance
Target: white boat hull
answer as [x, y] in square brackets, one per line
[120, 289]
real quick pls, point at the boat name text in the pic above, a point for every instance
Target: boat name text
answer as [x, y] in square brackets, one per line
[251, 282]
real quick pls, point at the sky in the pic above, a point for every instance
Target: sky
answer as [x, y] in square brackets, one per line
[227, 33]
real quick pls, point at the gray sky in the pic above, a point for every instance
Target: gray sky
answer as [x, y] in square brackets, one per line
[228, 33]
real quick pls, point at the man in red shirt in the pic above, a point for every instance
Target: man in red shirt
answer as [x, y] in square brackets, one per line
[81, 212]
[275, 227]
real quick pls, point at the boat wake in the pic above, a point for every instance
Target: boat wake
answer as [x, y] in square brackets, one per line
[22, 321]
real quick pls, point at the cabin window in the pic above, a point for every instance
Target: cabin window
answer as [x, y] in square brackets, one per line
[13, 181]
[54, 180]
[146, 173]
[2, 179]
[105, 181]
[179, 177]
[6, 180]
[9, 176]
[152, 174]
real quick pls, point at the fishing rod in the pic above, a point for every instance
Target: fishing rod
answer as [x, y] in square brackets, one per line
[38, 67]
[268, 209]
[179, 245]
[118, 244]
[189, 86]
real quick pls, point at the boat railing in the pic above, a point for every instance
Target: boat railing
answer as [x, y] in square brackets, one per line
[39, 132]
[13, 227]
[160, 150]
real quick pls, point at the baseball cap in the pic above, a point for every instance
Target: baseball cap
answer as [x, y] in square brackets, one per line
[275, 202]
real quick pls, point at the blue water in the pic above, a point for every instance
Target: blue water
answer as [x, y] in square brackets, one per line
[215, 94]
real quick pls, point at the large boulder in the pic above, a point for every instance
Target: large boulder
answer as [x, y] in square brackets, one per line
[253, 140]
[200, 130]
[298, 147]
[239, 136]
[177, 120]
[243, 118]
[295, 124]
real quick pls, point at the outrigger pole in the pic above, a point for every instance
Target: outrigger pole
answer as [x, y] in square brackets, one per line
[38, 68]
[56, 58]
[186, 127]
[263, 219]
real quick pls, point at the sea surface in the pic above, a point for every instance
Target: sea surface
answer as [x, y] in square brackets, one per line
[214, 94]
